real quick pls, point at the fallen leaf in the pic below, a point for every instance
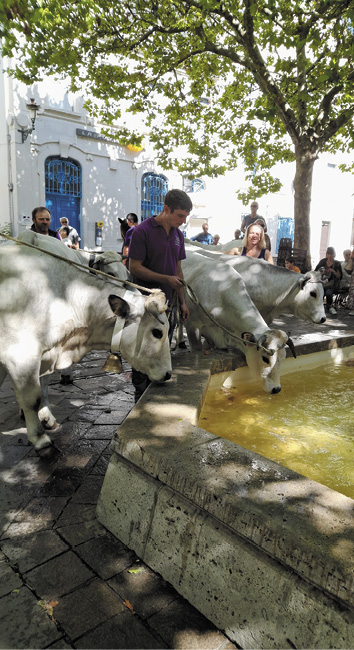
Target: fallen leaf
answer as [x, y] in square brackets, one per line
[206, 352]
[135, 570]
[15, 591]
[129, 605]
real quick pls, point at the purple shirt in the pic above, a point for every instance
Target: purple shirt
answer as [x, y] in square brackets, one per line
[128, 236]
[158, 251]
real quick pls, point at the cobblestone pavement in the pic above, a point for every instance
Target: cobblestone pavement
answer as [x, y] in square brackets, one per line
[65, 581]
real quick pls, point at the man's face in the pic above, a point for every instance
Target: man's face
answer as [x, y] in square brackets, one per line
[177, 217]
[64, 222]
[205, 228]
[288, 265]
[254, 208]
[42, 222]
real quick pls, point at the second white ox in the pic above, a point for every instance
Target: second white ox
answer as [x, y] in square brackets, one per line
[274, 289]
[52, 314]
[222, 292]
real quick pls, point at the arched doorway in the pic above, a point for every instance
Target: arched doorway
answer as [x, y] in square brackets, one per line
[154, 188]
[63, 190]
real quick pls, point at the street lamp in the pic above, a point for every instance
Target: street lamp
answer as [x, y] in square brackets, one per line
[32, 108]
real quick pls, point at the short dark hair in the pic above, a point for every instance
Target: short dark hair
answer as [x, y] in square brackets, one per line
[290, 259]
[124, 227]
[66, 229]
[131, 216]
[178, 200]
[41, 208]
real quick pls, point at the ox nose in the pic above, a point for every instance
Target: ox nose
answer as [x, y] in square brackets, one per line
[276, 390]
[323, 319]
[168, 376]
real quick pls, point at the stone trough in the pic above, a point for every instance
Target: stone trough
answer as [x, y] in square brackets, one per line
[265, 553]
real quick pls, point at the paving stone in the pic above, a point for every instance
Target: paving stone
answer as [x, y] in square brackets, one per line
[89, 490]
[10, 455]
[101, 465]
[106, 555]
[76, 513]
[30, 551]
[114, 417]
[101, 432]
[86, 608]
[121, 632]
[63, 482]
[9, 579]
[61, 644]
[24, 624]
[76, 534]
[39, 514]
[58, 576]
[182, 626]
[145, 590]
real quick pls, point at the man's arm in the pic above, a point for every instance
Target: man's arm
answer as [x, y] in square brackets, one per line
[184, 308]
[243, 224]
[137, 269]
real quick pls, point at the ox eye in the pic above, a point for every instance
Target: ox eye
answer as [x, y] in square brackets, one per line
[265, 359]
[313, 294]
[157, 333]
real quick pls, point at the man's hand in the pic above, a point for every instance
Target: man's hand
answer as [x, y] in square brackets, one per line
[174, 282]
[184, 311]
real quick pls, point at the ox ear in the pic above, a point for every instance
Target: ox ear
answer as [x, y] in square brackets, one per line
[248, 337]
[119, 306]
[304, 280]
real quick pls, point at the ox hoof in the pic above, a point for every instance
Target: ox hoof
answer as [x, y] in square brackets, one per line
[50, 425]
[42, 443]
[66, 380]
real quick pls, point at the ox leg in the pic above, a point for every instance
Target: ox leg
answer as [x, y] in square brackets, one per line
[3, 373]
[193, 334]
[44, 413]
[27, 389]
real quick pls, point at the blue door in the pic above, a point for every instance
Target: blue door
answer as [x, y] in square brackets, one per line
[154, 188]
[285, 229]
[63, 191]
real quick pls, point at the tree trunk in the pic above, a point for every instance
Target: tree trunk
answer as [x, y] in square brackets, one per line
[305, 160]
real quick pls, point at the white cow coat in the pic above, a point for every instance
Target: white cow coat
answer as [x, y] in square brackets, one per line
[52, 314]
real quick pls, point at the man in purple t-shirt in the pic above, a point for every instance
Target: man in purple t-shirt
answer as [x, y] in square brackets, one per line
[155, 253]
[157, 248]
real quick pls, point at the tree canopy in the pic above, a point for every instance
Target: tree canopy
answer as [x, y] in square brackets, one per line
[261, 80]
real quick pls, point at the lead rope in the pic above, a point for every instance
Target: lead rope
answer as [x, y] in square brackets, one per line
[111, 278]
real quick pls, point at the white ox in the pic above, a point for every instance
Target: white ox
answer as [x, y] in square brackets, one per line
[274, 289]
[108, 262]
[52, 314]
[222, 292]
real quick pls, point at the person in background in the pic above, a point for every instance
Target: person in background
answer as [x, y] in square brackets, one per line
[155, 253]
[254, 244]
[251, 218]
[347, 268]
[132, 219]
[216, 239]
[331, 271]
[124, 229]
[41, 218]
[64, 233]
[238, 234]
[268, 244]
[203, 237]
[290, 264]
[351, 289]
[73, 234]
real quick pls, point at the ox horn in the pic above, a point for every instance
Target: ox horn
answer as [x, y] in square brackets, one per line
[290, 344]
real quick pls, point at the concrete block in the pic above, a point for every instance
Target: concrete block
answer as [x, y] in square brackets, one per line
[127, 503]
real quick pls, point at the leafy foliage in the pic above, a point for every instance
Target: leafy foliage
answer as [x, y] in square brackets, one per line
[260, 80]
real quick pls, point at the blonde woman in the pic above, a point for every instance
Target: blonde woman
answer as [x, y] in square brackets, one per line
[254, 244]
